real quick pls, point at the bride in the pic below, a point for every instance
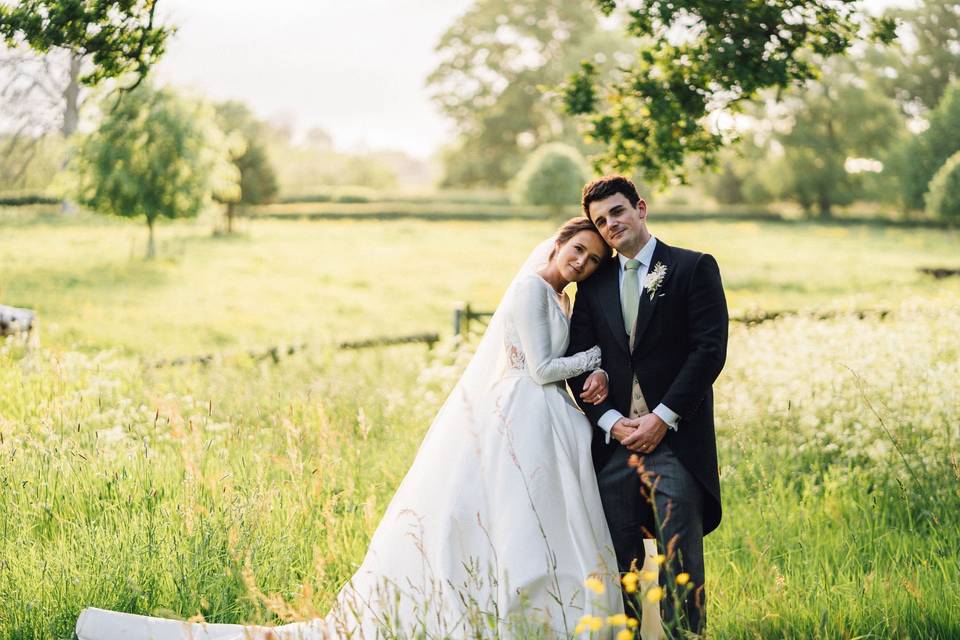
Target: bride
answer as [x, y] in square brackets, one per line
[498, 525]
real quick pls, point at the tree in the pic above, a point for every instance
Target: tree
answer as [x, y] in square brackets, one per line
[495, 62]
[154, 155]
[74, 43]
[258, 181]
[928, 59]
[553, 175]
[697, 57]
[943, 195]
[119, 36]
[834, 121]
[919, 157]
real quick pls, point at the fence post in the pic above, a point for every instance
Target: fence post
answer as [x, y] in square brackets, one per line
[457, 316]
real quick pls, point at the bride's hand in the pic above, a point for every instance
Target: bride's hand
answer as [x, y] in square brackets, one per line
[595, 388]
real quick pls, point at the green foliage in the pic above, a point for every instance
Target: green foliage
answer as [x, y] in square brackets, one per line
[943, 195]
[154, 155]
[258, 181]
[743, 174]
[553, 175]
[120, 36]
[307, 168]
[495, 62]
[30, 163]
[919, 157]
[835, 119]
[654, 114]
[928, 61]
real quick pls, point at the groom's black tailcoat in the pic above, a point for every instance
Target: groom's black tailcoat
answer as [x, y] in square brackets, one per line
[679, 351]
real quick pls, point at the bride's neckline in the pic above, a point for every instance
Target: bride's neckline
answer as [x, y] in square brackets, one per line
[558, 296]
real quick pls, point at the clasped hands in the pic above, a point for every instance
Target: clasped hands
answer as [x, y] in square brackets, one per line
[640, 435]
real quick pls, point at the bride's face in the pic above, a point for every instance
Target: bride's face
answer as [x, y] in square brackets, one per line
[580, 256]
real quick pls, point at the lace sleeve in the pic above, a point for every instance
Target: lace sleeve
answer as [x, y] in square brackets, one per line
[532, 317]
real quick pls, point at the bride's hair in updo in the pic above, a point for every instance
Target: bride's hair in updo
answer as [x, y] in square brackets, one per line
[572, 227]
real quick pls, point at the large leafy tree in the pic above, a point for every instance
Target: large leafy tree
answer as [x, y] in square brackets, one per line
[696, 57]
[119, 36]
[154, 155]
[495, 63]
[56, 49]
[928, 56]
[833, 123]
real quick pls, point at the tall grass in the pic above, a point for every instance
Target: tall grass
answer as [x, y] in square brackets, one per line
[246, 491]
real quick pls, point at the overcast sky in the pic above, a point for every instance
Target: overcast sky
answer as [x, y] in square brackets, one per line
[356, 68]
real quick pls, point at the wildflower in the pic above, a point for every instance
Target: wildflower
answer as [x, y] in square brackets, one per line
[632, 623]
[655, 594]
[629, 581]
[618, 620]
[683, 578]
[659, 558]
[625, 634]
[588, 623]
[648, 576]
[595, 585]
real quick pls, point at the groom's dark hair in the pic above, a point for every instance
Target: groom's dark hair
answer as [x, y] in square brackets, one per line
[604, 187]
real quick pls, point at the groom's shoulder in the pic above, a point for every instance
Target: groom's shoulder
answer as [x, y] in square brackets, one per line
[607, 269]
[682, 255]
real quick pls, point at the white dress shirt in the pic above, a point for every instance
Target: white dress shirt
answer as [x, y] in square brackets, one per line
[608, 419]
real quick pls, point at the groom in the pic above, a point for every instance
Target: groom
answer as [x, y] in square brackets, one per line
[659, 315]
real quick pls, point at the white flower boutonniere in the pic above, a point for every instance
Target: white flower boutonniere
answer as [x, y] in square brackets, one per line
[655, 278]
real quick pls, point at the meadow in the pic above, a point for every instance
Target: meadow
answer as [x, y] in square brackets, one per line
[245, 490]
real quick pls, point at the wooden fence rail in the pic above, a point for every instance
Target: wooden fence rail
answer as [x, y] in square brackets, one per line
[275, 353]
[463, 314]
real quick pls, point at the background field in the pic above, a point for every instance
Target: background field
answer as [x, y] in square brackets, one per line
[246, 490]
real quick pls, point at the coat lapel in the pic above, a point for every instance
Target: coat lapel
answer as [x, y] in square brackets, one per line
[609, 292]
[661, 255]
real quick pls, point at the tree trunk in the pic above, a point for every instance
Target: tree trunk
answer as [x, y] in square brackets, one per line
[71, 97]
[230, 206]
[825, 207]
[71, 118]
[151, 246]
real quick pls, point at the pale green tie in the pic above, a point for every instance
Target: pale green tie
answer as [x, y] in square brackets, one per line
[630, 294]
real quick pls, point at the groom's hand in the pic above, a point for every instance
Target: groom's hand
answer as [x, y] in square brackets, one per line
[647, 435]
[623, 429]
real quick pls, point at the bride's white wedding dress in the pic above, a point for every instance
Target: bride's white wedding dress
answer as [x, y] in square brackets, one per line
[498, 522]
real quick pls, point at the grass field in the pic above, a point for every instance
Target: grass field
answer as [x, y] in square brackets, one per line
[246, 490]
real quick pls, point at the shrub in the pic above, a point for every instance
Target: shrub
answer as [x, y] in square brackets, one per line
[553, 175]
[943, 194]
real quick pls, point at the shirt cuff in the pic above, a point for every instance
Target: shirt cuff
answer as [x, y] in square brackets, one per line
[607, 420]
[667, 415]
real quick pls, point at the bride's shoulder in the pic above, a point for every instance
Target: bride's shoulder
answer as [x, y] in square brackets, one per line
[532, 284]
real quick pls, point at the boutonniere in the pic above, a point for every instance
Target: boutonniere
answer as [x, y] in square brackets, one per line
[654, 279]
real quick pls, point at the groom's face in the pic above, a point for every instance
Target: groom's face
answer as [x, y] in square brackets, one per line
[622, 225]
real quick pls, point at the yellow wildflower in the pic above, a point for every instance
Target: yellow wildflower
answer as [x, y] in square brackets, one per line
[617, 620]
[583, 624]
[659, 558]
[596, 623]
[632, 623]
[595, 585]
[655, 594]
[683, 578]
[648, 576]
[625, 634]
[629, 581]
